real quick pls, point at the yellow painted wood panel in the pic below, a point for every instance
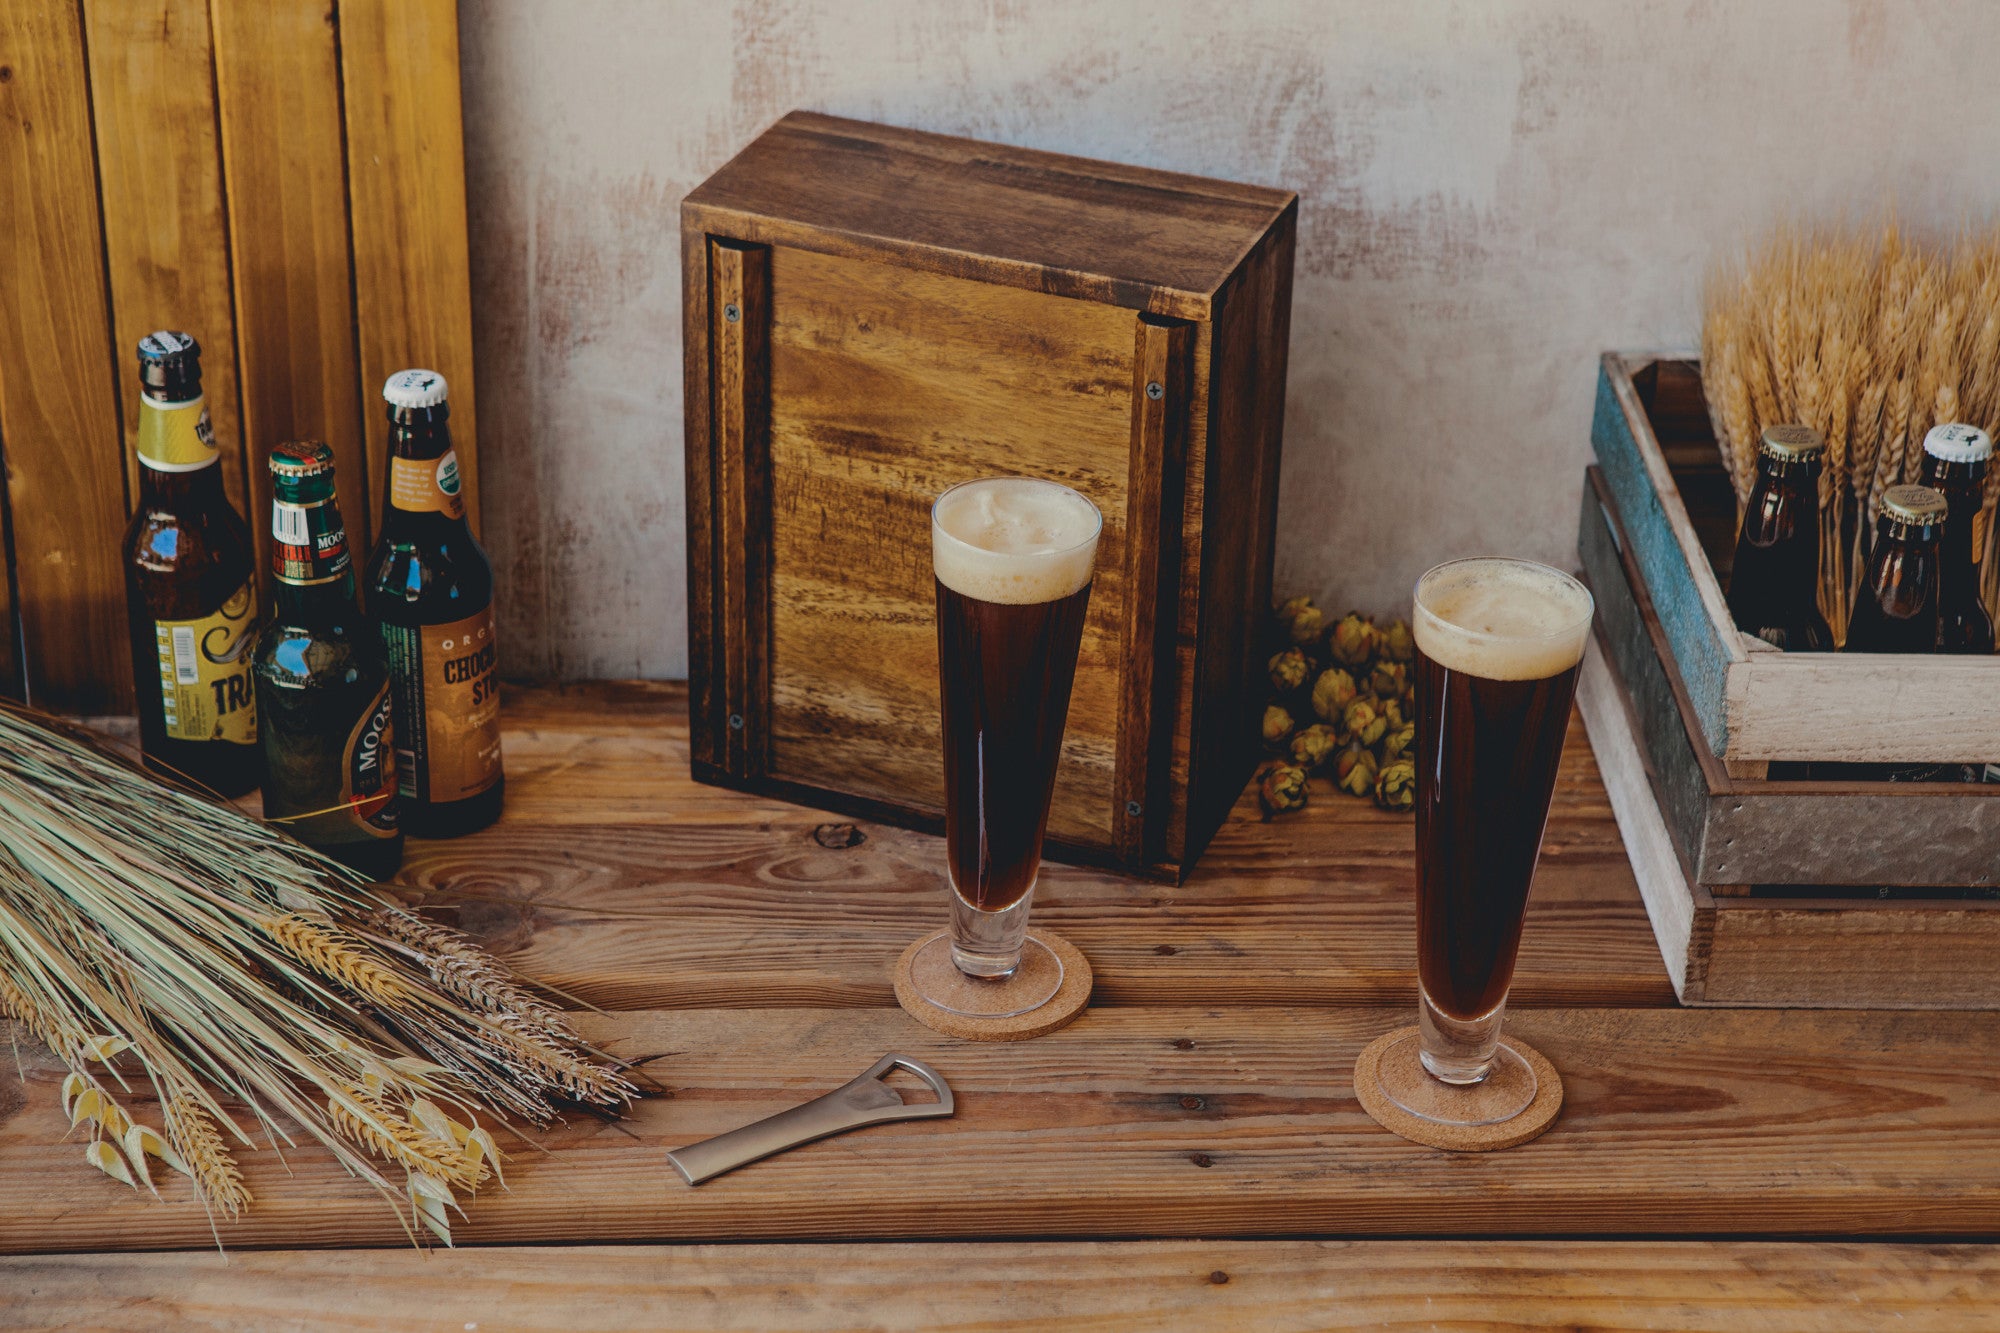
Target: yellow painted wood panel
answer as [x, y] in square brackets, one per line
[278, 85]
[152, 84]
[406, 182]
[878, 372]
[59, 422]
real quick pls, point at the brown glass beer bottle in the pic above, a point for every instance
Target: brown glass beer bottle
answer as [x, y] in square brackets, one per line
[1955, 461]
[190, 601]
[429, 588]
[1774, 581]
[323, 680]
[1896, 610]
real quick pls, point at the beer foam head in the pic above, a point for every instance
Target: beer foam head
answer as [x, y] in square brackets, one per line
[1013, 539]
[1501, 619]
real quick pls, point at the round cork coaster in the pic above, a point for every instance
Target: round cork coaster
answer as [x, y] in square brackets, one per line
[1529, 1124]
[1071, 995]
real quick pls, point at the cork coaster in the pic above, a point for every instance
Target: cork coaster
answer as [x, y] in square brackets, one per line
[1510, 1133]
[1061, 1008]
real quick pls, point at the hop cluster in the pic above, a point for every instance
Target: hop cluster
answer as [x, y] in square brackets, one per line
[1342, 706]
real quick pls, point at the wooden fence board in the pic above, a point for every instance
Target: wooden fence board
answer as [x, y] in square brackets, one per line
[58, 404]
[152, 75]
[278, 84]
[406, 183]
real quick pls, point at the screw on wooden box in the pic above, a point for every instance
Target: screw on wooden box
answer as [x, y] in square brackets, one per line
[874, 314]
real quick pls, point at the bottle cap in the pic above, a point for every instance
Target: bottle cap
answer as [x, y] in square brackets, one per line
[1918, 505]
[414, 388]
[301, 458]
[1958, 443]
[167, 358]
[1791, 441]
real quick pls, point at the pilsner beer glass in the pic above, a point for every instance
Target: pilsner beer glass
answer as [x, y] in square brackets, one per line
[1498, 646]
[1012, 558]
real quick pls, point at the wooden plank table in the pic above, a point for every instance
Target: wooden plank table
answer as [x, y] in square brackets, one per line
[1205, 1095]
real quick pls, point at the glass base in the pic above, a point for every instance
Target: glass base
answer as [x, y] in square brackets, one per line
[1506, 1091]
[1030, 986]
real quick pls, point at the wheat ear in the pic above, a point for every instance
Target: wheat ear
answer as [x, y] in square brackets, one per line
[332, 952]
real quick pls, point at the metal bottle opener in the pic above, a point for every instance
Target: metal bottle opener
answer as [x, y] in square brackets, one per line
[865, 1100]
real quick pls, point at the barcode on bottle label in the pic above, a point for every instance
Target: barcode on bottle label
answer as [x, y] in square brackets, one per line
[185, 670]
[288, 524]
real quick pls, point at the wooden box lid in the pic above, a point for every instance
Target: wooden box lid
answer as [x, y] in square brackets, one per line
[1119, 235]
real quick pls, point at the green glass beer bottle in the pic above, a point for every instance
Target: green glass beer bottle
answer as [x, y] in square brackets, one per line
[190, 601]
[323, 680]
[429, 588]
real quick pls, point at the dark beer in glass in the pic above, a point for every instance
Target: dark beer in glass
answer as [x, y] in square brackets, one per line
[1012, 561]
[1499, 643]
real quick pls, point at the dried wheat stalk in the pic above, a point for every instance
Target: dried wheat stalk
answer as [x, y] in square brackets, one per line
[1869, 340]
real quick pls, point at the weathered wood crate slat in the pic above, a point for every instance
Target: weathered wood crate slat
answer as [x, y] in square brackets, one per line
[1753, 703]
[1736, 942]
[873, 315]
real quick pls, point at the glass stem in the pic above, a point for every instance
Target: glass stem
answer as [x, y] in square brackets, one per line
[1458, 1051]
[988, 944]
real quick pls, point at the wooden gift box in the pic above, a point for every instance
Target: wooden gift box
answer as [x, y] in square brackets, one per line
[1755, 705]
[874, 314]
[1743, 878]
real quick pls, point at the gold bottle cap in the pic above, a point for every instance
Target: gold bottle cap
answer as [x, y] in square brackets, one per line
[1918, 505]
[300, 458]
[1792, 441]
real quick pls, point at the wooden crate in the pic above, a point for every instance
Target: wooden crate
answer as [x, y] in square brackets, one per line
[1756, 704]
[1737, 941]
[1737, 831]
[284, 180]
[872, 315]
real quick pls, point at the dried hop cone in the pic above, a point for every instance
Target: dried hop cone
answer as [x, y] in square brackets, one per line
[1332, 692]
[1353, 640]
[1396, 741]
[1354, 771]
[1277, 726]
[1396, 785]
[1283, 788]
[1312, 745]
[1387, 678]
[1289, 670]
[1397, 644]
[1307, 625]
[1363, 722]
[1394, 712]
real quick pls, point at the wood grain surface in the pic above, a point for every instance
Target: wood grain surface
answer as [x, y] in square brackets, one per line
[990, 212]
[166, 240]
[277, 69]
[1275, 1287]
[1189, 1120]
[405, 141]
[58, 403]
[1205, 1094]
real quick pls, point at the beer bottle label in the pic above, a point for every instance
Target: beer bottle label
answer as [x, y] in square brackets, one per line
[427, 485]
[350, 800]
[448, 707]
[175, 437]
[308, 543]
[205, 677]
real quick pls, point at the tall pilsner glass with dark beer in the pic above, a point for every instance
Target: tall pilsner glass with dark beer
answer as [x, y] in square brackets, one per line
[1498, 647]
[1012, 558]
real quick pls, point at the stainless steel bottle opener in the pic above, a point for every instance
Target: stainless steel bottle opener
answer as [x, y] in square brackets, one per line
[866, 1100]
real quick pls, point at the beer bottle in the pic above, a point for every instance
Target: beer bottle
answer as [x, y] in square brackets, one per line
[323, 680]
[189, 598]
[429, 588]
[1897, 608]
[1774, 581]
[1955, 461]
